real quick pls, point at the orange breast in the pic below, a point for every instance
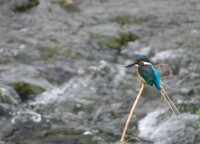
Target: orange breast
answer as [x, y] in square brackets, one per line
[142, 80]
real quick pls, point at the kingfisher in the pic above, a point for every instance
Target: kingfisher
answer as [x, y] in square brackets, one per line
[147, 73]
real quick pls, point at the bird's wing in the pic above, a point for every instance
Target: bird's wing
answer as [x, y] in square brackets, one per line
[147, 73]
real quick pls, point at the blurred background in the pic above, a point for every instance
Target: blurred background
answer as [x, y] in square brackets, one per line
[62, 75]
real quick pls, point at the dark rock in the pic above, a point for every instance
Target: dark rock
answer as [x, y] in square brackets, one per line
[26, 90]
[25, 80]
[22, 5]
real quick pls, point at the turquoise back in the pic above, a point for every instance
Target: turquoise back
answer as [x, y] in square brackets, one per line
[150, 75]
[156, 78]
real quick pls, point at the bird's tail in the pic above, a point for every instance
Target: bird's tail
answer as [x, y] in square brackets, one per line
[168, 100]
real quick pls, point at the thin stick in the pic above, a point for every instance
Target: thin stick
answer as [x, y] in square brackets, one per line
[130, 114]
[169, 101]
[168, 67]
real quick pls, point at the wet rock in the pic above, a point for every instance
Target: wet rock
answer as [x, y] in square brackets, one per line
[115, 42]
[8, 95]
[79, 101]
[111, 36]
[22, 5]
[125, 19]
[3, 122]
[26, 90]
[9, 99]
[160, 127]
[6, 109]
[82, 100]
[70, 5]
[25, 80]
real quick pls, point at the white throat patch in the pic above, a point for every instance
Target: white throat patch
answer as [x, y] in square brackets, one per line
[146, 63]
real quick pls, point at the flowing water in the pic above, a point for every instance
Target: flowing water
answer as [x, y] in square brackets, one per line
[62, 75]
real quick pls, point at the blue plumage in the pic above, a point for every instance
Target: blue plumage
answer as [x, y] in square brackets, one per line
[156, 78]
[147, 72]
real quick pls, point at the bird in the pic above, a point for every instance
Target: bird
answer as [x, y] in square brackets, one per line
[148, 74]
[146, 71]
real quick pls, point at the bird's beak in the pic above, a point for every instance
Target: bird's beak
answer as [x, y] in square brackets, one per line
[131, 64]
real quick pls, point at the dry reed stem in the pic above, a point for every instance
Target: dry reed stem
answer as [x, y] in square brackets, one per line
[168, 67]
[130, 114]
[169, 101]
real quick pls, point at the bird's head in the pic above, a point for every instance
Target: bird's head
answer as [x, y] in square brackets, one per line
[142, 59]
